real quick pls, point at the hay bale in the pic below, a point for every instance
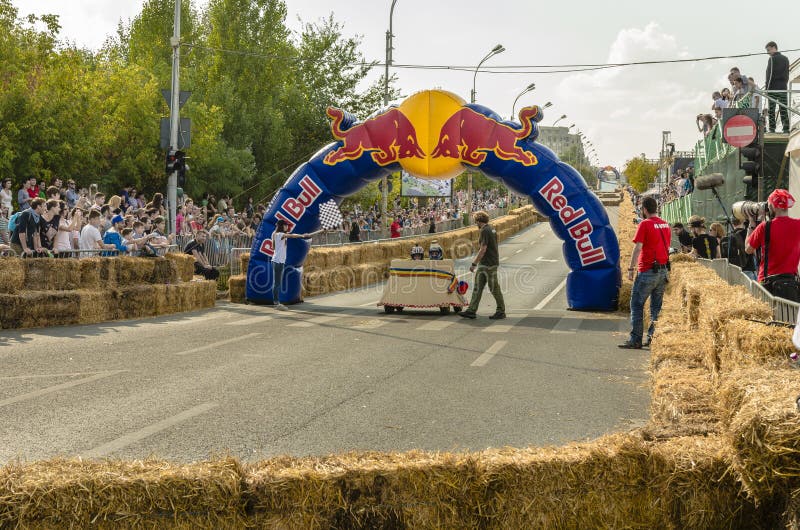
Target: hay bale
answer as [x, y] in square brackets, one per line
[244, 262]
[236, 286]
[149, 493]
[365, 490]
[45, 274]
[133, 271]
[371, 252]
[12, 275]
[763, 427]
[682, 401]
[185, 265]
[98, 273]
[94, 306]
[744, 343]
[164, 271]
[351, 255]
[341, 278]
[35, 309]
[617, 481]
[136, 301]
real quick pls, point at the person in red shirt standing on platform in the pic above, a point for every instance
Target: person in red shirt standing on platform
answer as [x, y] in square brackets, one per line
[779, 242]
[651, 258]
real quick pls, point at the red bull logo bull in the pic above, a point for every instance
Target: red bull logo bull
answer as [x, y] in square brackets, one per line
[469, 136]
[388, 137]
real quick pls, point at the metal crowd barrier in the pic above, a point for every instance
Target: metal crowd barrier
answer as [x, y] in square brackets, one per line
[782, 310]
[85, 253]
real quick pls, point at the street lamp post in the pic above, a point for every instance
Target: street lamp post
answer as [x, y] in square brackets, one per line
[389, 48]
[527, 89]
[563, 116]
[497, 49]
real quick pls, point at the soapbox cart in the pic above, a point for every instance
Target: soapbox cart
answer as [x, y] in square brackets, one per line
[423, 284]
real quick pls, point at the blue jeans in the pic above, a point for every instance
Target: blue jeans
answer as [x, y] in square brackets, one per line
[277, 280]
[647, 284]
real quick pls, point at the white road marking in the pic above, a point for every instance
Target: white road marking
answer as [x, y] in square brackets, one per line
[543, 259]
[38, 376]
[373, 304]
[437, 325]
[370, 324]
[566, 325]
[489, 353]
[504, 259]
[193, 320]
[531, 243]
[141, 434]
[249, 321]
[215, 344]
[56, 388]
[316, 320]
[550, 296]
[503, 328]
[518, 251]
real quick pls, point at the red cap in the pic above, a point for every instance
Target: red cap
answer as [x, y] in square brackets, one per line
[781, 199]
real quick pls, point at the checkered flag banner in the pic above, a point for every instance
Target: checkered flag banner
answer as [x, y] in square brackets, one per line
[329, 215]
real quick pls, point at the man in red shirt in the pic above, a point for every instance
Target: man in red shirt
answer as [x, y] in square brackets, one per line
[394, 229]
[783, 253]
[650, 257]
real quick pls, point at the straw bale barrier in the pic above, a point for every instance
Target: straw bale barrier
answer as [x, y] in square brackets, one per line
[330, 269]
[138, 494]
[626, 229]
[745, 343]
[56, 292]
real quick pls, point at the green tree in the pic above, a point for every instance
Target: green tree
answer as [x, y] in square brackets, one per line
[640, 173]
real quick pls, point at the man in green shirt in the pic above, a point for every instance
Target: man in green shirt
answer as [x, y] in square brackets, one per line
[485, 268]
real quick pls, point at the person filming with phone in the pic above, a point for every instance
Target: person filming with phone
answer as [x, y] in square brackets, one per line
[778, 239]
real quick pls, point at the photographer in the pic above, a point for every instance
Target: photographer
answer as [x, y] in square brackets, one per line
[779, 242]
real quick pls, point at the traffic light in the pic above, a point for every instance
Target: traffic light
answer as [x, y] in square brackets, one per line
[750, 161]
[171, 159]
[181, 167]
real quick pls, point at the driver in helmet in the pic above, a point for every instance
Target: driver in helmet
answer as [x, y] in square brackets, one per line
[417, 252]
[435, 251]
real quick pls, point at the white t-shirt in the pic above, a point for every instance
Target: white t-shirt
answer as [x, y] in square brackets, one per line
[279, 247]
[89, 237]
[62, 240]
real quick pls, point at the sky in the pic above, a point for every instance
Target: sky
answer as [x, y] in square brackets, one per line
[623, 111]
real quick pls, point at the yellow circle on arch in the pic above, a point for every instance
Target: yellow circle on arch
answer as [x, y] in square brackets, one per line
[428, 111]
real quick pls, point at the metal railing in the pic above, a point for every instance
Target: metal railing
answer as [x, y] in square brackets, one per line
[782, 310]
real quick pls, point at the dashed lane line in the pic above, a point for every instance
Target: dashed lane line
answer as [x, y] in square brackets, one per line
[566, 325]
[141, 434]
[505, 327]
[250, 321]
[312, 321]
[437, 325]
[56, 388]
[486, 356]
[217, 344]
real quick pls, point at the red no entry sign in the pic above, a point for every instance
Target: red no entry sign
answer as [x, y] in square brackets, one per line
[739, 131]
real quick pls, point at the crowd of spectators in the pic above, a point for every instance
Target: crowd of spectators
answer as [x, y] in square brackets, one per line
[740, 94]
[71, 221]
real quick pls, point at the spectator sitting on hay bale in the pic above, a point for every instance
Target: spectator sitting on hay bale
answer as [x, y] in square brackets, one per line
[196, 247]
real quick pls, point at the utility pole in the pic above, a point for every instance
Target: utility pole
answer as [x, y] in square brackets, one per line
[174, 114]
[385, 180]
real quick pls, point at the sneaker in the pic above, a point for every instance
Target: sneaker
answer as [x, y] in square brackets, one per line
[498, 316]
[646, 342]
[281, 307]
[467, 314]
[628, 345]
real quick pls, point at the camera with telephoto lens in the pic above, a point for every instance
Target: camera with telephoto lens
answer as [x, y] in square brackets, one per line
[742, 209]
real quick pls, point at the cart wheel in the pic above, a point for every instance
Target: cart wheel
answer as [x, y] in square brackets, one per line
[457, 309]
[388, 309]
[399, 309]
[445, 310]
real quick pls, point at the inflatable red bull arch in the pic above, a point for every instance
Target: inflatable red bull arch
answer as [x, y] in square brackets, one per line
[436, 134]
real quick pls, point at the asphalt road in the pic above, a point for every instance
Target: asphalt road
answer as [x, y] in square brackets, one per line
[332, 374]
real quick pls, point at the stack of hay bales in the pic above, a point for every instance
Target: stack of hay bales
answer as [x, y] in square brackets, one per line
[53, 292]
[330, 269]
[626, 229]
